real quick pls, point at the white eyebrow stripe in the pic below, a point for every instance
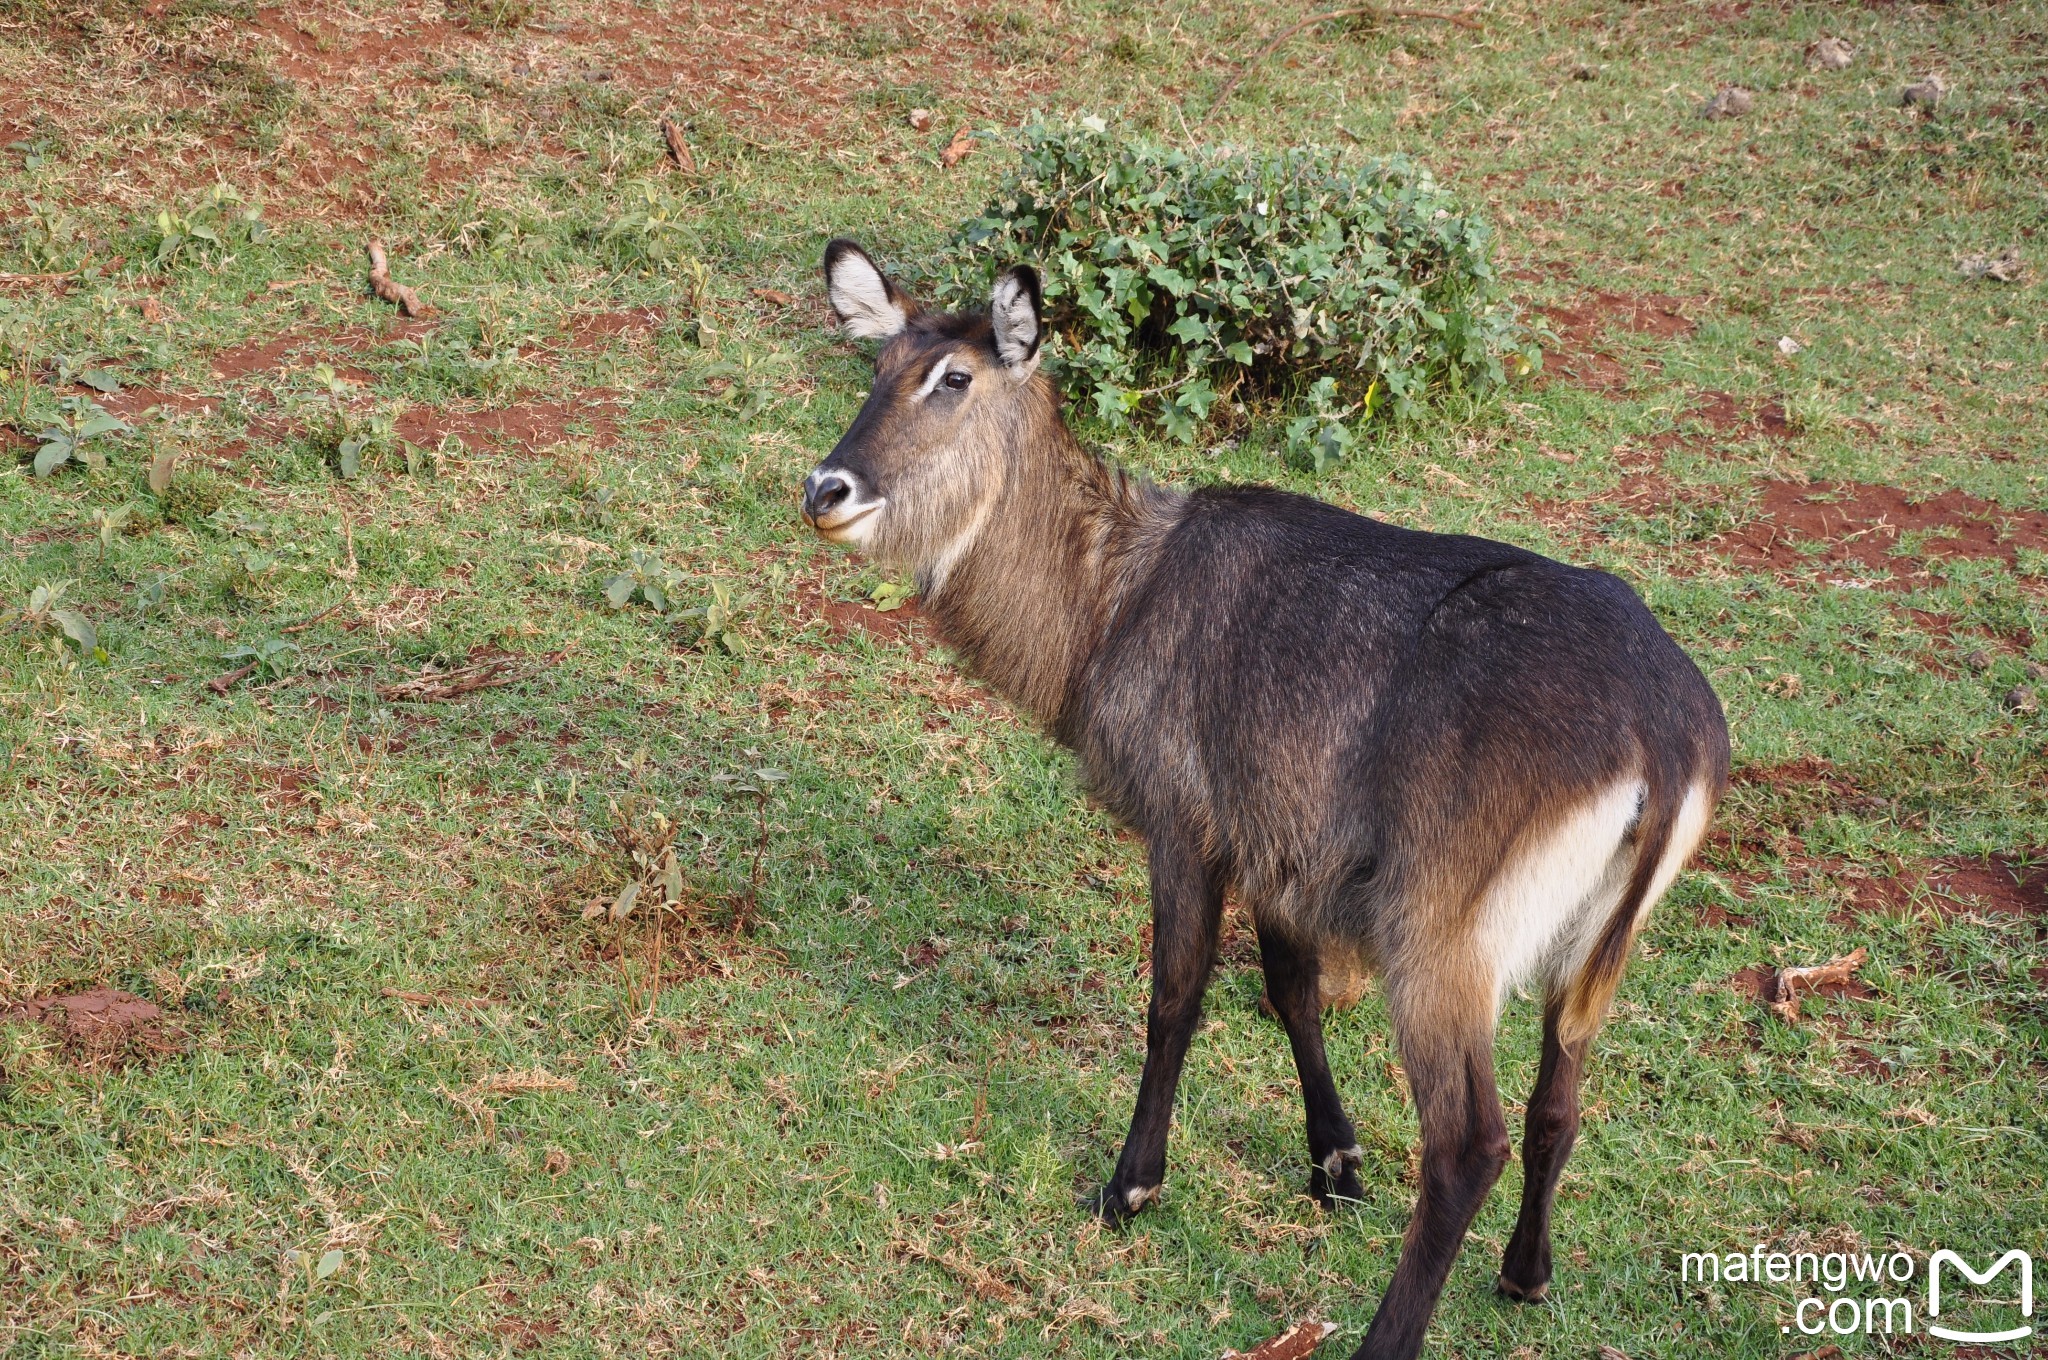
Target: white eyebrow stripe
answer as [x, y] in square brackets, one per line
[932, 379]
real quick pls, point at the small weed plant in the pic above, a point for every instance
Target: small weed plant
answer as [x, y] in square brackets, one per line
[75, 435]
[49, 616]
[1350, 290]
[210, 229]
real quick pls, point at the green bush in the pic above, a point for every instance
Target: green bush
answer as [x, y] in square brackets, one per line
[1350, 290]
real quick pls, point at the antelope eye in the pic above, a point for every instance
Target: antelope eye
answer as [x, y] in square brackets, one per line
[957, 382]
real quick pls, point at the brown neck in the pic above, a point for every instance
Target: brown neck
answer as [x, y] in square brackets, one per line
[1027, 603]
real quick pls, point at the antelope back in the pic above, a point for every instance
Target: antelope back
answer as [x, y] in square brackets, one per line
[955, 406]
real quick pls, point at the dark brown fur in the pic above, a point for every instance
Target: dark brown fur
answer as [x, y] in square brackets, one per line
[1448, 759]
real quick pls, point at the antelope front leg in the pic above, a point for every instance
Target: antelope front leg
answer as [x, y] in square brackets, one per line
[1187, 905]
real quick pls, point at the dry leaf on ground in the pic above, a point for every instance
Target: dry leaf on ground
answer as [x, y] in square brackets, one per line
[1830, 54]
[958, 149]
[522, 1082]
[1731, 101]
[433, 686]
[678, 149]
[1923, 94]
[2006, 267]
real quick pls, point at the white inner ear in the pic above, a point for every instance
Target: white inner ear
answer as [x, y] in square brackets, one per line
[861, 297]
[1016, 324]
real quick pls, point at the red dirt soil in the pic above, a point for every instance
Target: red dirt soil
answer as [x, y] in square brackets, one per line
[597, 330]
[1583, 326]
[102, 1027]
[2012, 883]
[1860, 524]
[306, 346]
[529, 425]
[1725, 415]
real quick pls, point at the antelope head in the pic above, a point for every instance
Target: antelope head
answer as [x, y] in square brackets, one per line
[954, 403]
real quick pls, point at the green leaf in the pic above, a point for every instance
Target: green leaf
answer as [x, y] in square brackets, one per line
[618, 591]
[892, 595]
[52, 456]
[78, 628]
[330, 1261]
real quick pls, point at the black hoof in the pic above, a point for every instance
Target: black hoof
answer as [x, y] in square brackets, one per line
[1335, 1178]
[1328, 1190]
[1117, 1205]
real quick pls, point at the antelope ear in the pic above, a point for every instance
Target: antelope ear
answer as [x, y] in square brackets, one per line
[1015, 309]
[868, 306]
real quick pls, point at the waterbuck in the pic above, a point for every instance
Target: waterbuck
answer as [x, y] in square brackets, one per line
[1453, 762]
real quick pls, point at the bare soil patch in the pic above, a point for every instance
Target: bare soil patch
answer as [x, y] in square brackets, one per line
[305, 346]
[1585, 326]
[529, 425]
[1725, 415]
[314, 49]
[2009, 883]
[1858, 524]
[132, 403]
[103, 1027]
[600, 330]
[844, 618]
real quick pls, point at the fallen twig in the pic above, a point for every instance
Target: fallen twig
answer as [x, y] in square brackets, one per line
[678, 149]
[433, 686]
[221, 684]
[524, 1082]
[1462, 21]
[1782, 994]
[25, 280]
[1296, 1343]
[303, 624]
[381, 284]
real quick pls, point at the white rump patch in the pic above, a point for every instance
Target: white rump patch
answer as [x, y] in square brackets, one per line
[1686, 830]
[860, 295]
[1547, 906]
[1547, 909]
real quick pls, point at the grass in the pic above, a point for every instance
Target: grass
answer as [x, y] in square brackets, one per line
[403, 1095]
